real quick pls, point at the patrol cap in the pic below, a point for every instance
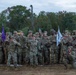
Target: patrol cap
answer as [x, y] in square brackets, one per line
[37, 33]
[20, 31]
[15, 32]
[0, 33]
[11, 37]
[30, 31]
[45, 31]
[52, 30]
[7, 33]
[73, 52]
[74, 30]
[34, 34]
[70, 46]
[66, 31]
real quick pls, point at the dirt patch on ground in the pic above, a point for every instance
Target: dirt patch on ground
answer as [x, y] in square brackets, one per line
[37, 70]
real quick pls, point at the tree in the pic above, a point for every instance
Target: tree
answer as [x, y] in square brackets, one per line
[43, 22]
[16, 17]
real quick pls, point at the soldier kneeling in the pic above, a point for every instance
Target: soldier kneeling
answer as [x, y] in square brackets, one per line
[68, 57]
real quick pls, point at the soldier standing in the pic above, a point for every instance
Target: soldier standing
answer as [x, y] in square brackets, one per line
[53, 49]
[29, 38]
[40, 50]
[12, 52]
[22, 49]
[33, 51]
[1, 52]
[46, 51]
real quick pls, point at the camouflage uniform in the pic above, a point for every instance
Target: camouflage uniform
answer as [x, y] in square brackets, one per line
[12, 53]
[46, 51]
[66, 42]
[33, 52]
[22, 51]
[40, 50]
[1, 52]
[8, 34]
[29, 38]
[68, 57]
[73, 53]
[53, 50]
[16, 37]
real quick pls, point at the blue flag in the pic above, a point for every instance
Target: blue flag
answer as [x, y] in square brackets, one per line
[3, 34]
[58, 37]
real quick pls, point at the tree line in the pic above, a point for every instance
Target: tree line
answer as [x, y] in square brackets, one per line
[19, 18]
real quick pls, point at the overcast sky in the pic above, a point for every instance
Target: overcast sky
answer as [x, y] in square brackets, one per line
[41, 5]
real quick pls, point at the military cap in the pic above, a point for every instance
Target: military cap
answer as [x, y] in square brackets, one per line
[11, 37]
[15, 31]
[8, 33]
[74, 30]
[37, 33]
[66, 31]
[45, 31]
[73, 53]
[70, 46]
[52, 30]
[30, 31]
[20, 31]
[34, 34]
[0, 33]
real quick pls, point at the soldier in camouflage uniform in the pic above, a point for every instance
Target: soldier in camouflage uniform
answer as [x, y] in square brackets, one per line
[29, 38]
[74, 47]
[53, 49]
[40, 50]
[22, 49]
[1, 52]
[69, 57]
[6, 45]
[33, 51]
[46, 51]
[66, 42]
[12, 52]
[16, 37]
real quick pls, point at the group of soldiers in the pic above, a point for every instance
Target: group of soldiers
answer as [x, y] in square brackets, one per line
[38, 48]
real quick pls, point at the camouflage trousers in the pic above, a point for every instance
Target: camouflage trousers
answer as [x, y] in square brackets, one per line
[53, 56]
[46, 57]
[67, 61]
[19, 55]
[33, 58]
[27, 57]
[12, 55]
[40, 58]
[1, 56]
